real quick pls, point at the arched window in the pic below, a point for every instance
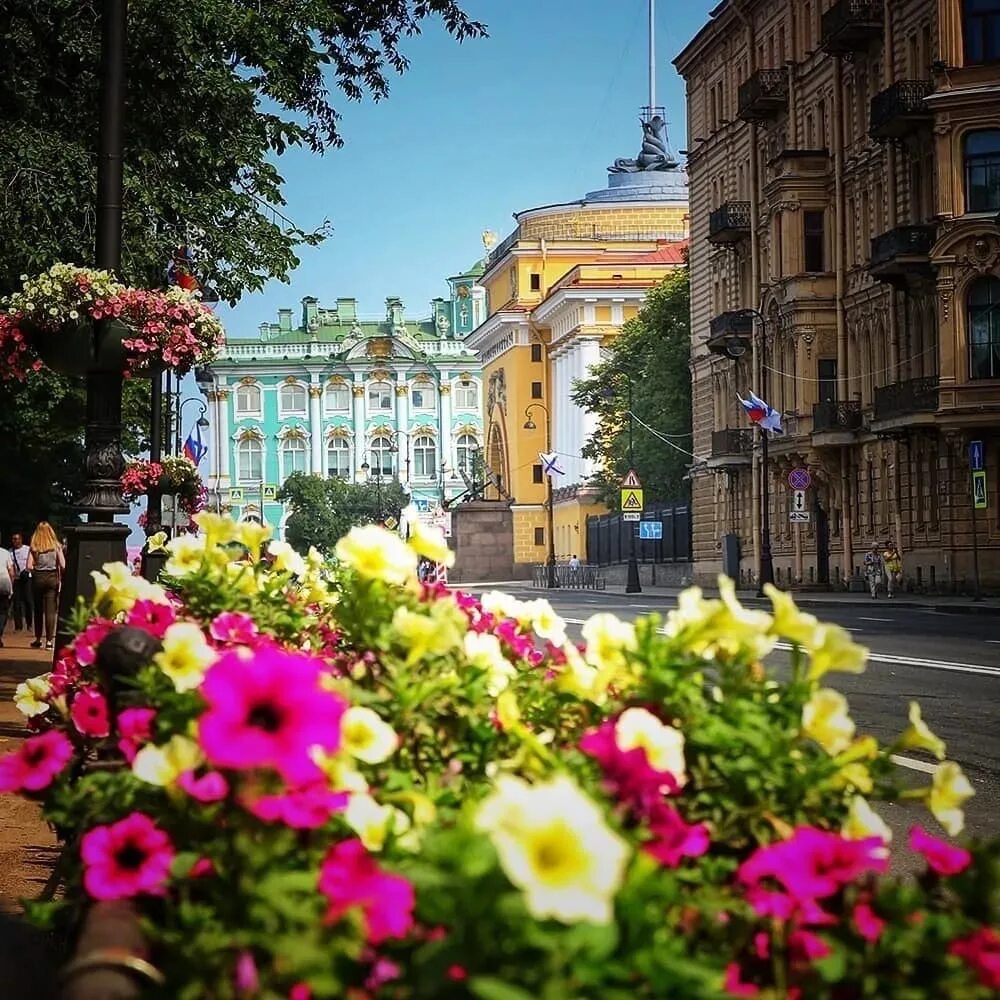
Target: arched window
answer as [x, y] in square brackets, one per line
[338, 398]
[423, 396]
[379, 397]
[292, 400]
[466, 395]
[249, 461]
[247, 400]
[984, 328]
[982, 170]
[424, 457]
[338, 458]
[381, 457]
[465, 451]
[293, 456]
[981, 27]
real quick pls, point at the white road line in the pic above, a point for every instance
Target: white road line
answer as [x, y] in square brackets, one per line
[893, 660]
[913, 764]
[861, 618]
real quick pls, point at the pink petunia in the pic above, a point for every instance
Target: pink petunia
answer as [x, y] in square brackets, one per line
[980, 950]
[457, 973]
[234, 627]
[152, 616]
[734, 984]
[306, 808]
[35, 764]
[300, 991]
[805, 947]
[86, 643]
[673, 839]
[245, 977]
[129, 858]
[89, 713]
[135, 727]
[941, 857]
[210, 787]
[867, 922]
[269, 710]
[350, 878]
[383, 971]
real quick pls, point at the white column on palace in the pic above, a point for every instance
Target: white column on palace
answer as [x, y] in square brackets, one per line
[360, 444]
[225, 445]
[590, 356]
[445, 431]
[555, 402]
[403, 425]
[316, 430]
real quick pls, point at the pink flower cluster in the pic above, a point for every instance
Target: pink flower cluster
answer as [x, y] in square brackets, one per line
[141, 475]
[129, 858]
[16, 357]
[36, 763]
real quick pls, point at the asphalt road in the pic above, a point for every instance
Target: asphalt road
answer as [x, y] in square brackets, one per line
[949, 662]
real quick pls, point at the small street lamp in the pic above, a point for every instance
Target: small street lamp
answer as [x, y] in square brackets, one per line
[202, 421]
[365, 468]
[529, 425]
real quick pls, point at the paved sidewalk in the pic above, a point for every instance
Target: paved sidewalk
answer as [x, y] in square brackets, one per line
[28, 848]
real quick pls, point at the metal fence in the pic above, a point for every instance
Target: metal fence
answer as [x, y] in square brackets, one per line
[608, 537]
[583, 577]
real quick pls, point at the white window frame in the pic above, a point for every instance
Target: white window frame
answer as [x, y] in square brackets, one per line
[466, 385]
[419, 457]
[301, 448]
[381, 445]
[427, 391]
[336, 387]
[470, 448]
[249, 444]
[256, 412]
[339, 446]
[283, 411]
[374, 387]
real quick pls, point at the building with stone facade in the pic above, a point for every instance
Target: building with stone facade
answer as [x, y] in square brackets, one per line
[844, 162]
[558, 288]
[334, 394]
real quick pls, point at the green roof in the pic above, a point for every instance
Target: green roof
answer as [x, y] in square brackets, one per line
[335, 333]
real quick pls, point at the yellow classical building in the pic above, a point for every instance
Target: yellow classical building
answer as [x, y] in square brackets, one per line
[558, 288]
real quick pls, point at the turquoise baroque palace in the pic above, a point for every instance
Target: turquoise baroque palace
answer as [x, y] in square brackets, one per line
[335, 394]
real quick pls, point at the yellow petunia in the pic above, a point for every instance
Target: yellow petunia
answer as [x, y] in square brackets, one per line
[365, 736]
[664, 745]
[833, 649]
[554, 844]
[185, 655]
[286, 559]
[163, 765]
[186, 555]
[483, 650]
[252, 536]
[427, 541]
[825, 720]
[30, 696]
[918, 735]
[607, 639]
[217, 528]
[422, 635]
[373, 822]
[377, 554]
[949, 790]
[117, 588]
[862, 821]
[789, 622]
[545, 622]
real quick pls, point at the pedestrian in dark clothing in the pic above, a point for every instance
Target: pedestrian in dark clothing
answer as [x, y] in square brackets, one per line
[6, 588]
[47, 564]
[22, 606]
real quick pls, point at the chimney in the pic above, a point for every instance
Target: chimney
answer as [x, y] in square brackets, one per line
[394, 310]
[265, 331]
[347, 310]
[285, 320]
[310, 314]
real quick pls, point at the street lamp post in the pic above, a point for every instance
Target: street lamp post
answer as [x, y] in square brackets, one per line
[178, 428]
[765, 573]
[550, 562]
[633, 585]
[366, 468]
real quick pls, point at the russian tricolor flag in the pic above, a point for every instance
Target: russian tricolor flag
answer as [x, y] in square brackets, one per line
[194, 447]
[760, 413]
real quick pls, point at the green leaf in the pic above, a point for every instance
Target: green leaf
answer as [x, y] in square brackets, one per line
[488, 988]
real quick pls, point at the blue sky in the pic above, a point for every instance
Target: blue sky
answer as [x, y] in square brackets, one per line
[471, 133]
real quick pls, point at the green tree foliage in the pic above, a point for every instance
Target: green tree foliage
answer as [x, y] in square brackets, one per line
[652, 352]
[324, 510]
[217, 91]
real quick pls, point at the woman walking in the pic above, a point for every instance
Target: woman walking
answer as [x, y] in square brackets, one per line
[46, 563]
[873, 569]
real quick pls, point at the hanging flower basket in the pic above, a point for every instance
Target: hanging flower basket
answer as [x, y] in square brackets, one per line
[51, 321]
[174, 476]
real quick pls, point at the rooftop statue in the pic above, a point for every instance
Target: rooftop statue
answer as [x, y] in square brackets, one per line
[655, 153]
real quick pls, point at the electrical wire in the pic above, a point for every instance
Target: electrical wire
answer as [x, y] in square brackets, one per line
[852, 377]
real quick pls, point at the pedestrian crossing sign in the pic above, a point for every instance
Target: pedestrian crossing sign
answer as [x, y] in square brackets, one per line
[236, 494]
[979, 489]
[631, 501]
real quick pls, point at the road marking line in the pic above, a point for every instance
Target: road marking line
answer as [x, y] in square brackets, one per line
[902, 661]
[861, 618]
[912, 763]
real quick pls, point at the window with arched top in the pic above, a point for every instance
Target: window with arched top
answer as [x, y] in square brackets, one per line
[424, 457]
[249, 461]
[293, 456]
[248, 400]
[466, 448]
[981, 31]
[983, 318]
[381, 459]
[292, 400]
[338, 398]
[338, 458]
[466, 395]
[379, 397]
[981, 151]
[423, 396]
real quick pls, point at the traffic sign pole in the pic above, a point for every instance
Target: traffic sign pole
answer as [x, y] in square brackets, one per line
[975, 542]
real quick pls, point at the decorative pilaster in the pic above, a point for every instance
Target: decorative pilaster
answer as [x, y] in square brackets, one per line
[360, 444]
[316, 430]
[225, 446]
[444, 426]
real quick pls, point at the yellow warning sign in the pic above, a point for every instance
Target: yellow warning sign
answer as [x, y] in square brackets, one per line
[631, 500]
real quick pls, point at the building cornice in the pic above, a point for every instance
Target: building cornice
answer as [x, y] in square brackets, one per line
[561, 297]
[486, 335]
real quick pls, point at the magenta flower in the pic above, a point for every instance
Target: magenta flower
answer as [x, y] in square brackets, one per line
[86, 643]
[306, 808]
[129, 858]
[734, 984]
[89, 713]
[383, 971]
[805, 947]
[153, 617]
[210, 787]
[300, 991]
[245, 976]
[941, 857]
[349, 878]
[135, 727]
[269, 710]
[980, 950]
[868, 923]
[234, 627]
[35, 764]
[673, 839]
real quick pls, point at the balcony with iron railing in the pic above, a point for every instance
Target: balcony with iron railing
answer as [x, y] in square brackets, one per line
[851, 25]
[730, 333]
[901, 253]
[764, 95]
[836, 422]
[902, 399]
[732, 446]
[729, 223]
[900, 109]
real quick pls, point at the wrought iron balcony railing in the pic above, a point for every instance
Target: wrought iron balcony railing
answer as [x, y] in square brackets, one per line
[733, 441]
[837, 417]
[849, 25]
[763, 95]
[729, 223]
[915, 395]
[900, 109]
[730, 333]
[901, 251]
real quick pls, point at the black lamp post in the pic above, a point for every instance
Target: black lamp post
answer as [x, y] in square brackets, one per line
[633, 585]
[550, 563]
[765, 573]
[365, 467]
[202, 421]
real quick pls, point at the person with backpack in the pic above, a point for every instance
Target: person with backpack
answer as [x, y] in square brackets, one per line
[22, 605]
[6, 588]
[873, 569]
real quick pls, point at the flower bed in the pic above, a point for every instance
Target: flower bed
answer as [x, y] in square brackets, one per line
[337, 782]
[171, 327]
[174, 475]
